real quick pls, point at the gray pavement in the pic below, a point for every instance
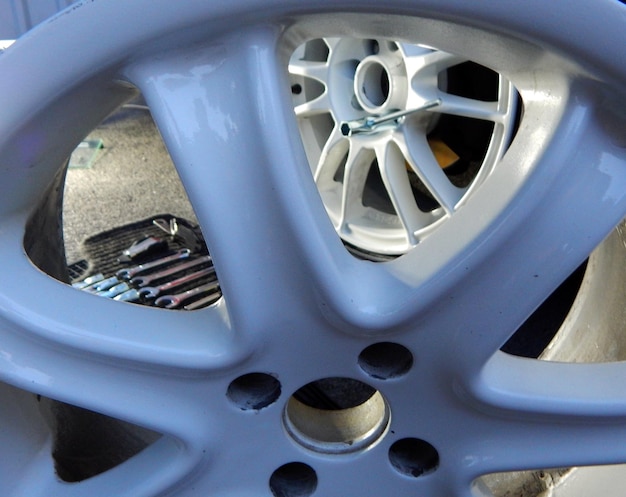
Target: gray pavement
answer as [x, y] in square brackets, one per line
[131, 179]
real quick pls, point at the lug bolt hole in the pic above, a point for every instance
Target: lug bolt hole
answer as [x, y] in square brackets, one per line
[413, 457]
[254, 391]
[295, 479]
[386, 360]
[373, 46]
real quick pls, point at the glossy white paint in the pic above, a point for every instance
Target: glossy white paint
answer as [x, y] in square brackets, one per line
[297, 305]
[412, 75]
[18, 16]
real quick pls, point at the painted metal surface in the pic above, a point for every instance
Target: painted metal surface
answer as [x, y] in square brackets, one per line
[385, 114]
[215, 78]
[19, 16]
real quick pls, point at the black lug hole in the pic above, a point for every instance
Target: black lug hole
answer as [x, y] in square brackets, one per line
[413, 457]
[254, 391]
[294, 479]
[386, 360]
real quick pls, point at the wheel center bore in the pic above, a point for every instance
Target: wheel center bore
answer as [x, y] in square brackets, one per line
[336, 416]
[378, 86]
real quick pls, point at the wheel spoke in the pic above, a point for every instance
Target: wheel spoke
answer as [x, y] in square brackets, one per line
[135, 477]
[559, 443]
[567, 390]
[331, 155]
[392, 165]
[420, 157]
[309, 69]
[533, 443]
[468, 107]
[319, 72]
[555, 415]
[229, 127]
[317, 106]
[38, 478]
[354, 178]
[428, 63]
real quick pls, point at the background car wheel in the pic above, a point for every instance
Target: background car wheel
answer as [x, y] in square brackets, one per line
[387, 187]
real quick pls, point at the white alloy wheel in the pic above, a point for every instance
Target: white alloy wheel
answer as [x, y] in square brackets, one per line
[386, 186]
[418, 397]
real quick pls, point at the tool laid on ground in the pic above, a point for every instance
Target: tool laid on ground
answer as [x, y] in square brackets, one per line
[128, 273]
[179, 262]
[203, 302]
[141, 248]
[188, 236]
[154, 291]
[91, 280]
[173, 301]
[102, 285]
[141, 281]
[115, 290]
[131, 295]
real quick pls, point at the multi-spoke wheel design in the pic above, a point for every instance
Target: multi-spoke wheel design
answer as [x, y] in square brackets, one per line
[387, 182]
[319, 373]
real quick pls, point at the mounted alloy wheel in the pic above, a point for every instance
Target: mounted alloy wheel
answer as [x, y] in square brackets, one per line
[319, 373]
[377, 119]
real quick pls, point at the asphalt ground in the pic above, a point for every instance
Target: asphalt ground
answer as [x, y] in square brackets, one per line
[131, 179]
